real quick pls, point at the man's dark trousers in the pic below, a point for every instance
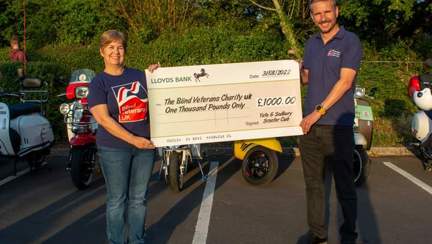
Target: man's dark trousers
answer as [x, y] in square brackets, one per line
[328, 146]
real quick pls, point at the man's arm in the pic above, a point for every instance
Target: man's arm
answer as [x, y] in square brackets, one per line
[339, 89]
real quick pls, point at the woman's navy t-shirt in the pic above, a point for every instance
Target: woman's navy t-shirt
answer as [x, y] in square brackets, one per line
[127, 101]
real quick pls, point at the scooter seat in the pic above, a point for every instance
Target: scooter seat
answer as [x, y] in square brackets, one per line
[19, 109]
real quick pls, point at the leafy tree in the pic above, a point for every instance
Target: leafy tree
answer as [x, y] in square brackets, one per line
[11, 21]
[56, 21]
[286, 12]
[383, 21]
[83, 20]
[147, 18]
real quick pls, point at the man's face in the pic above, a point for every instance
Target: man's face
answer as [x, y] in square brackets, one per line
[14, 45]
[324, 15]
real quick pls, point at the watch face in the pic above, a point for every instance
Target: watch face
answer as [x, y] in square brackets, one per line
[318, 107]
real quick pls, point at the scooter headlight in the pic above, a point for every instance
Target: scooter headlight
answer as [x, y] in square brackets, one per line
[78, 110]
[81, 92]
[359, 92]
[64, 108]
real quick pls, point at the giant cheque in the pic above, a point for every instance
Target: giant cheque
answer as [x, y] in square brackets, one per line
[224, 102]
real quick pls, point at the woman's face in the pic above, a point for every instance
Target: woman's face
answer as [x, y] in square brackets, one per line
[113, 53]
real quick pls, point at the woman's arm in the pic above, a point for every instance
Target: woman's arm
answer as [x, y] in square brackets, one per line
[100, 113]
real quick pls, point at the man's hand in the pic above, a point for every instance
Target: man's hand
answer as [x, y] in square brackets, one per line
[309, 120]
[142, 143]
[304, 73]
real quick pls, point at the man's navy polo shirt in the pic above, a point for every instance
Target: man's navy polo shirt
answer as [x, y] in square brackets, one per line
[324, 63]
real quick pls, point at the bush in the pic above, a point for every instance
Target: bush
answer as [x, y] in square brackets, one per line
[72, 57]
[392, 107]
[205, 45]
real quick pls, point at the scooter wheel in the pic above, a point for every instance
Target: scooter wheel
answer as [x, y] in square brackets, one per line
[260, 165]
[82, 169]
[174, 179]
[361, 166]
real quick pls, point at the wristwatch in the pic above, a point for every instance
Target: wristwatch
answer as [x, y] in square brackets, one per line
[320, 109]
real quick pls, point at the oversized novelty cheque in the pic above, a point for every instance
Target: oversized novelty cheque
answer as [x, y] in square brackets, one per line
[224, 102]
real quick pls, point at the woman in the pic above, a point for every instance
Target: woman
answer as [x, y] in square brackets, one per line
[118, 101]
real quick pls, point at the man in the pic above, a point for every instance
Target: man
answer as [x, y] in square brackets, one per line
[16, 54]
[331, 61]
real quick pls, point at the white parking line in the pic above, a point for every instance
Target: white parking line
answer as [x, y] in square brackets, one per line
[13, 177]
[410, 177]
[201, 228]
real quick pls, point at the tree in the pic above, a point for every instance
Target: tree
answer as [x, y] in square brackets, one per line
[147, 18]
[286, 21]
[383, 21]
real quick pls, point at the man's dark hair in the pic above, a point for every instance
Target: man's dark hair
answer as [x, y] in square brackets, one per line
[314, 1]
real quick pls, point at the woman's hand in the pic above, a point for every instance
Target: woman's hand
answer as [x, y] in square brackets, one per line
[153, 67]
[142, 143]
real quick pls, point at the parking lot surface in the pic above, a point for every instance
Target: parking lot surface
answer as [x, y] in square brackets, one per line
[44, 207]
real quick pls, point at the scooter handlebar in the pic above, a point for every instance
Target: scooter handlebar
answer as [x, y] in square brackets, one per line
[11, 94]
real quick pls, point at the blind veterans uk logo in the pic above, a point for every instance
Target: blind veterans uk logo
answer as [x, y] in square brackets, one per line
[132, 102]
[333, 53]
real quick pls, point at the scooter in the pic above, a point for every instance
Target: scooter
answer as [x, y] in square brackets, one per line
[419, 90]
[81, 129]
[363, 134]
[260, 160]
[25, 133]
[259, 157]
[175, 163]
[259, 165]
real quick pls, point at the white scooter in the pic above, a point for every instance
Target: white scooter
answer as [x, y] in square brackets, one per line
[419, 90]
[24, 131]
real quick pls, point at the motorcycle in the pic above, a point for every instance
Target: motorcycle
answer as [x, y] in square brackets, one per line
[419, 90]
[81, 129]
[25, 132]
